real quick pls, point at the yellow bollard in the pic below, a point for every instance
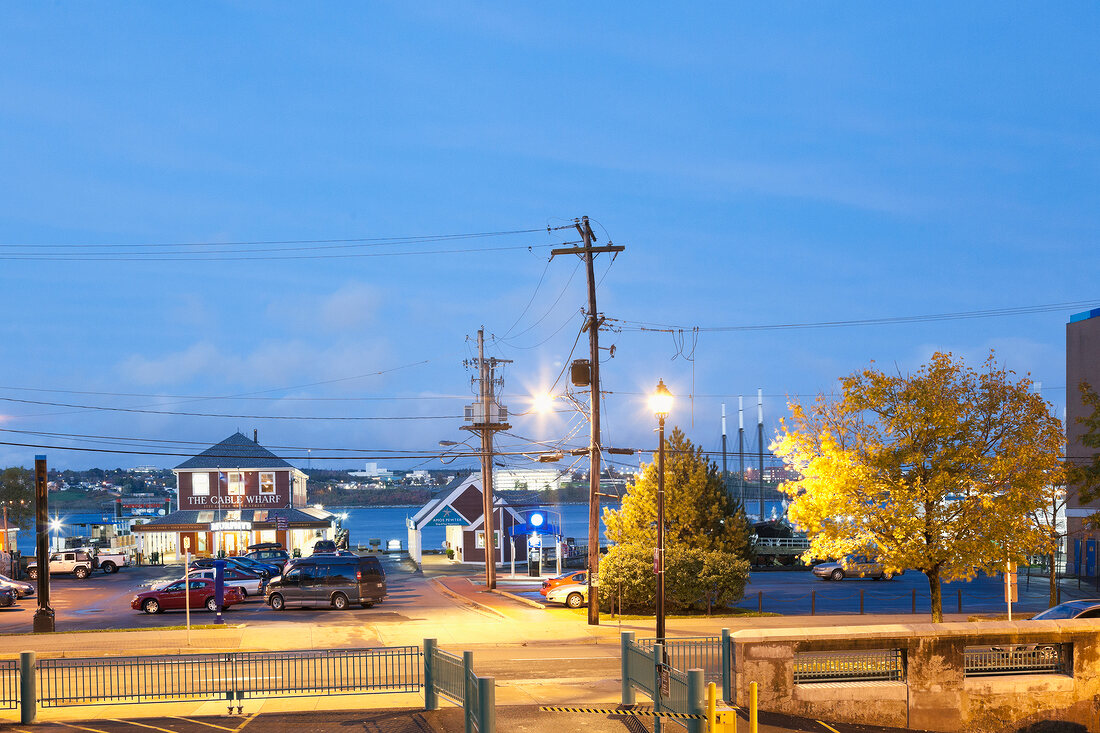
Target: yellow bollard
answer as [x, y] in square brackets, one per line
[753, 726]
[712, 708]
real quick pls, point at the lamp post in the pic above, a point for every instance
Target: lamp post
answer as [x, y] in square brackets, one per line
[661, 402]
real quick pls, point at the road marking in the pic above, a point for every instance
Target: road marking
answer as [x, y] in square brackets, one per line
[211, 725]
[143, 725]
[246, 722]
[80, 727]
[834, 730]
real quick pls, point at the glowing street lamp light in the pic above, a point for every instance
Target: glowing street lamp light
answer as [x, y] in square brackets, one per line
[55, 526]
[661, 402]
[543, 403]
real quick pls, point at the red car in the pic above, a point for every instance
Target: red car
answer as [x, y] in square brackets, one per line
[574, 577]
[170, 597]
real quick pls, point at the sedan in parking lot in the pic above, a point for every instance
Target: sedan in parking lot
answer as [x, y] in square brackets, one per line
[249, 583]
[18, 587]
[7, 598]
[1083, 608]
[573, 595]
[563, 579]
[172, 597]
[853, 566]
[207, 563]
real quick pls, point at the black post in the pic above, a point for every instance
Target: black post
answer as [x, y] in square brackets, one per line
[661, 530]
[44, 616]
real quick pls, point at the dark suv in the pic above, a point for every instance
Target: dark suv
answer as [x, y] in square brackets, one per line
[328, 580]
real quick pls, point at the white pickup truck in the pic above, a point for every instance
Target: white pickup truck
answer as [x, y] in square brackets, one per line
[110, 562]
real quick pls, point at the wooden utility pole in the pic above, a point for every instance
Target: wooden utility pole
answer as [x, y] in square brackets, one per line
[44, 615]
[593, 327]
[488, 417]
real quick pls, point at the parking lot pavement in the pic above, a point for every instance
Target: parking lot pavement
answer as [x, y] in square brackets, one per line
[102, 601]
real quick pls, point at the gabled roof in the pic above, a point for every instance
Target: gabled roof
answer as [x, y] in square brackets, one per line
[190, 517]
[236, 451]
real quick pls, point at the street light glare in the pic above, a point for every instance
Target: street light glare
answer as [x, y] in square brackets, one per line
[543, 403]
[55, 524]
[661, 400]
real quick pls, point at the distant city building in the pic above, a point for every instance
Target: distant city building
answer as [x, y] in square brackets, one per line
[529, 479]
[371, 470]
[1082, 365]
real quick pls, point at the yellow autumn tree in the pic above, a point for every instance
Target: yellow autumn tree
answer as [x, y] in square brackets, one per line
[941, 471]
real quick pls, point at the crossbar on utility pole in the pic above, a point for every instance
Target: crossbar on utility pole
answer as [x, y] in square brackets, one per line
[486, 426]
[592, 325]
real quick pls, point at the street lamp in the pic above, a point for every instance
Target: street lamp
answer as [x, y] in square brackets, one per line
[55, 525]
[661, 402]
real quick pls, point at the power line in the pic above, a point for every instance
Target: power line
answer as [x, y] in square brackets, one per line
[349, 457]
[178, 257]
[954, 316]
[383, 240]
[200, 398]
[239, 417]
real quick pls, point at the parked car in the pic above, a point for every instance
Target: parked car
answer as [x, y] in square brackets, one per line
[207, 563]
[249, 583]
[18, 587]
[77, 562]
[853, 566]
[580, 577]
[573, 595]
[324, 546]
[170, 597]
[328, 581]
[267, 569]
[1083, 608]
[7, 597]
[271, 556]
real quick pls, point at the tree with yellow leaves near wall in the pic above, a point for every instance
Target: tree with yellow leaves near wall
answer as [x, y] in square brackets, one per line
[939, 471]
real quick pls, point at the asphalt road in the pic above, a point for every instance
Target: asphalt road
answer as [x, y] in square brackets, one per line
[795, 592]
[103, 601]
[511, 719]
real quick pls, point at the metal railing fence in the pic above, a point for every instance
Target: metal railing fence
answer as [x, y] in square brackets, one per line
[1045, 658]
[9, 684]
[646, 666]
[453, 677]
[850, 666]
[83, 681]
[638, 667]
[692, 652]
[328, 671]
[448, 674]
[679, 695]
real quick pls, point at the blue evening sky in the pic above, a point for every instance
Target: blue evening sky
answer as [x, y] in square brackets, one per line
[763, 164]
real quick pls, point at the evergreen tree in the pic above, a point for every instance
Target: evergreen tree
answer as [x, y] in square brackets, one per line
[699, 512]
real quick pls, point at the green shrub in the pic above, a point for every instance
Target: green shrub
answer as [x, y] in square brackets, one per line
[694, 579]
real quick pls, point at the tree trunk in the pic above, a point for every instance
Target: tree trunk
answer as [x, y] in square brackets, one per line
[935, 592]
[1053, 580]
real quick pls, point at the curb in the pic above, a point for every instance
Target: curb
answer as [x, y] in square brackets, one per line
[465, 599]
[521, 599]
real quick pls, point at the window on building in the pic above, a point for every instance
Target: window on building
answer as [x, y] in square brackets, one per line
[236, 483]
[479, 539]
[267, 483]
[200, 484]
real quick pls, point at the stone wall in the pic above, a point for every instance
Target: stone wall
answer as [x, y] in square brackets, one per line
[935, 694]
